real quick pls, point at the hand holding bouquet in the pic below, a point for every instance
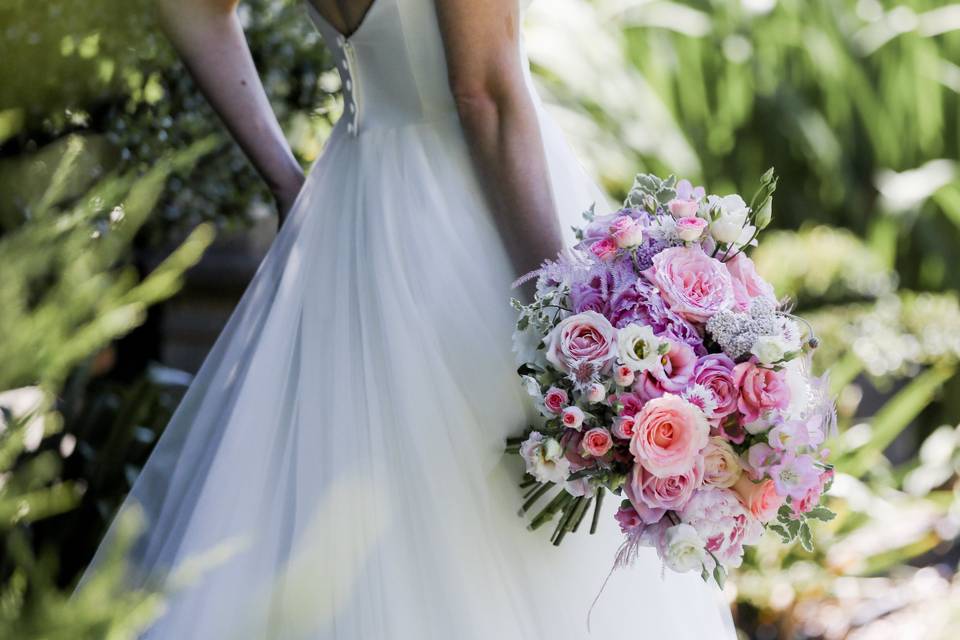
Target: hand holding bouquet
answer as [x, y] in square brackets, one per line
[667, 373]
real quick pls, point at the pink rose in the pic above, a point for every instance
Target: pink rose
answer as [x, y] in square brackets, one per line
[626, 232]
[572, 417]
[690, 228]
[715, 372]
[595, 393]
[555, 400]
[597, 442]
[670, 493]
[604, 249]
[683, 208]
[670, 434]
[624, 427]
[747, 284]
[623, 376]
[760, 498]
[584, 343]
[760, 390]
[694, 285]
[673, 373]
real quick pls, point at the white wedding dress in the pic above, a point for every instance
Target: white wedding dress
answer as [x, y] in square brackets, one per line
[341, 448]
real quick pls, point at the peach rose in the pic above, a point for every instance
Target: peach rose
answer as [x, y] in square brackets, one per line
[721, 463]
[597, 442]
[760, 498]
[670, 433]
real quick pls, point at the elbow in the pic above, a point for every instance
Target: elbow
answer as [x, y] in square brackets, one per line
[481, 106]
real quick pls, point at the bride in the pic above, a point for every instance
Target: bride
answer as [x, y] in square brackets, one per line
[340, 450]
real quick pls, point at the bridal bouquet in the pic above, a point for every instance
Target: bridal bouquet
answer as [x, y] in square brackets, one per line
[666, 372]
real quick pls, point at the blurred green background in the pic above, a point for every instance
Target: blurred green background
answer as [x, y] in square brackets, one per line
[115, 178]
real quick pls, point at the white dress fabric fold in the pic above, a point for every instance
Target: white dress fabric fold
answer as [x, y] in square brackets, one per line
[341, 449]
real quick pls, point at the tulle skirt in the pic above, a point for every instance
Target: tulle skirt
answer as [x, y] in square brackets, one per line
[341, 449]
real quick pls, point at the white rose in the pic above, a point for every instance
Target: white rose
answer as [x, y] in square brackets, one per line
[638, 348]
[770, 349]
[730, 215]
[683, 549]
[544, 458]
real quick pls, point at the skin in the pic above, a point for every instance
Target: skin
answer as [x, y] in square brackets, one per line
[208, 36]
[485, 76]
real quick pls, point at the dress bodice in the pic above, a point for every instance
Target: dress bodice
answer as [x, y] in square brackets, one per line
[392, 67]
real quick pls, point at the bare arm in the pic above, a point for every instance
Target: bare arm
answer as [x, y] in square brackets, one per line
[209, 38]
[500, 122]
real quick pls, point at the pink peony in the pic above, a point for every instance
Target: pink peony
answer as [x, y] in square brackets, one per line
[572, 417]
[722, 520]
[671, 492]
[747, 284]
[760, 498]
[604, 249]
[583, 340]
[760, 390]
[555, 400]
[670, 434]
[673, 373]
[597, 442]
[690, 228]
[694, 285]
[715, 372]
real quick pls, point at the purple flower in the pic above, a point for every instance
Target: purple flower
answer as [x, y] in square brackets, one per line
[591, 295]
[795, 475]
[640, 303]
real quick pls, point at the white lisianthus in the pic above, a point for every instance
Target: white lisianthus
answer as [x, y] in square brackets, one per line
[770, 349]
[638, 348]
[683, 548]
[729, 216]
[544, 458]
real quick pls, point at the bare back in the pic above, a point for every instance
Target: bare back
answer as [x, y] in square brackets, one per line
[345, 16]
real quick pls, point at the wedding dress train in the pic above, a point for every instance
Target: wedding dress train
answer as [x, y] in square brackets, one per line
[341, 447]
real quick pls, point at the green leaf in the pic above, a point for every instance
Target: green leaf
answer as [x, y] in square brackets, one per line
[821, 513]
[806, 537]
